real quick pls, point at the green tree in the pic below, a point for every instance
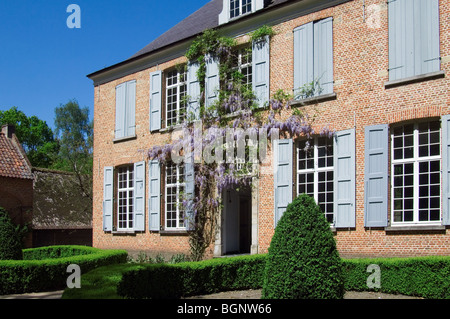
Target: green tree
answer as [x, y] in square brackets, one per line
[34, 134]
[74, 133]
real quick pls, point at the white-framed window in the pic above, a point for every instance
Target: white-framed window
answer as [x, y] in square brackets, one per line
[416, 173]
[240, 7]
[315, 173]
[125, 197]
[176, 89]
[242, 63]
[175, 189]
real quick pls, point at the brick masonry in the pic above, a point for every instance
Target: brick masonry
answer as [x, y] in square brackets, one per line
[360, 73]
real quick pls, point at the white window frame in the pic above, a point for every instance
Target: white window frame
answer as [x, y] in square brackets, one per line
[316, 170]
[240, 54]
[180, 75]
[225, 17]
[179, 208]
[415, 160]
[240, 6]
[129, 216]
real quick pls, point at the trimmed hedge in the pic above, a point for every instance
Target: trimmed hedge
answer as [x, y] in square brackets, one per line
[45, 269]
[168, 281]
[427, 277]
[302, 260]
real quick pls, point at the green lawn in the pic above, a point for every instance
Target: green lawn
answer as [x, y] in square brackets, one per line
[100, 283]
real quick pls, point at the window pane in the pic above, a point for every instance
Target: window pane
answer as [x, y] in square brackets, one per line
[424, 138]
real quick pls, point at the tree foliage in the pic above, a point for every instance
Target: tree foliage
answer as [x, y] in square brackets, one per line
[34, 134]
[74, 133]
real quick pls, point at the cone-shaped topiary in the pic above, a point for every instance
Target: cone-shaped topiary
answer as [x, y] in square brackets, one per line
[10, 241]
[303, 262]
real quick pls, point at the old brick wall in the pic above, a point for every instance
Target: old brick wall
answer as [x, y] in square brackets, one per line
[360, 73]
[16, 196]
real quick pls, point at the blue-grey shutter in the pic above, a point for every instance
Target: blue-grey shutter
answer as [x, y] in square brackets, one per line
[303, 56]
[344, 179]
[283, 157]
[130, 109]
[193, 90]
[120, 110]
[190, 193]
[154, 201]
[376, 176]
[446, 170]
[261, 70]
[139, 196]
[429, 35]
[155, 100]
[108, 197]
[323, 55]
[212, 84]
[401, 52]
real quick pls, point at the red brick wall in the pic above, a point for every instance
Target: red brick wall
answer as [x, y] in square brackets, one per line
[16, 196]
[360, 72]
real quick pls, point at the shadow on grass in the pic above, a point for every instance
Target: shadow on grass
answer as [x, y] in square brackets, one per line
[100, 283]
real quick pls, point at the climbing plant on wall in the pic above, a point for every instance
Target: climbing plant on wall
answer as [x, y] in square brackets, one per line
[222, 130]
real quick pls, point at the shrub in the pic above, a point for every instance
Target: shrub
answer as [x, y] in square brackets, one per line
[427, 277]
[302, 260]
[192, 278]
[49, 272]
[10, 240]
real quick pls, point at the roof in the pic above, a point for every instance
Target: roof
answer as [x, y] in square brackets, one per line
[207, 17]
[13, 161]
[59, 202]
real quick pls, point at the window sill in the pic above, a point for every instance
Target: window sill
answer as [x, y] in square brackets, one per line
[123, 232]
[426, 228]
[415, 79]
[174, 233]
[314, 99]
[124, 139]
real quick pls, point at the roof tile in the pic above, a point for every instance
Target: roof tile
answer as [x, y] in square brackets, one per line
[12, 162]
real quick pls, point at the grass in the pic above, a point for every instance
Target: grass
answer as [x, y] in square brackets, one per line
[100, 283]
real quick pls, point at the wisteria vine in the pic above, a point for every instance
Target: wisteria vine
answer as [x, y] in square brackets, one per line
[218, 147]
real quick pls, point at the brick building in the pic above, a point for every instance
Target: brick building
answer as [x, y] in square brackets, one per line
[382, 181]
[16, 180]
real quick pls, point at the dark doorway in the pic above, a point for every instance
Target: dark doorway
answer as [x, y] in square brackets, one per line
[237, 225]
[244, 226]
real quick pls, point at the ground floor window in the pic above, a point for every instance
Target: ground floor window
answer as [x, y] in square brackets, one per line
[125, 196]
[175, 189]
[315, 173]
[416, 173]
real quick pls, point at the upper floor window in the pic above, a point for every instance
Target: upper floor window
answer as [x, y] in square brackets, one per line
[242, 65]
[313, 59]
[176, 88]
[413, 38]
[240, 7]
[125, 110]
[235, 8]
[416, 173]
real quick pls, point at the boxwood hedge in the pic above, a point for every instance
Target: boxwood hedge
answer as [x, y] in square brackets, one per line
[45, 269]
[168, 281]
[427, 277]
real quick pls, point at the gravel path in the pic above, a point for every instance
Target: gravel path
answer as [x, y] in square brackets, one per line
[256, 294]
[241, 294]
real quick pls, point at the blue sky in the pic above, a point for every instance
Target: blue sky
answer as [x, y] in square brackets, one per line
[44, 64]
